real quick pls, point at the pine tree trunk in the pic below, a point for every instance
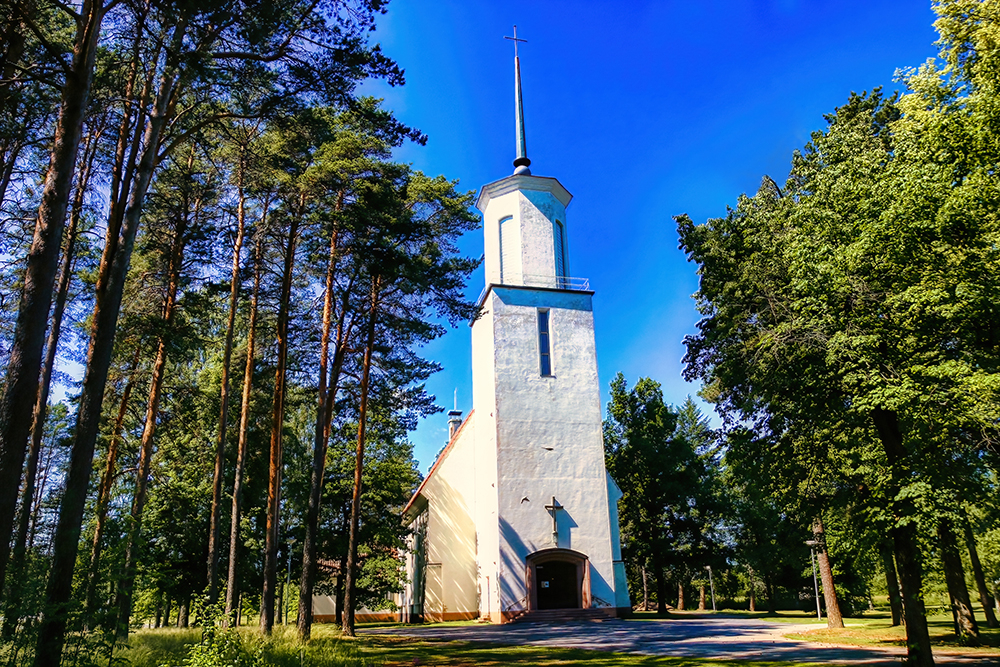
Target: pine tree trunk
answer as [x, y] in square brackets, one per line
[21, 381]
[352, 539]
[321, 437]
[680, 596]
[966, 628]
[277, 423]
[753, 598]
[104, 490]
[891, 582]
[13, 608]
[220, 443]
[232, 592]
[166, 613]
[905, 542]
[833, 617]
[977, 572]
[127, 583]
[109, 292]
[701, 597]
[769, 589]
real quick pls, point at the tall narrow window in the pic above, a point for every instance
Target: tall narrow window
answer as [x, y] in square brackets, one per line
[559, 240]
[508, 248]
[544, 357]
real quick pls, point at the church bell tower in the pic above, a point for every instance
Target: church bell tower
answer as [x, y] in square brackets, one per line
[546, 509]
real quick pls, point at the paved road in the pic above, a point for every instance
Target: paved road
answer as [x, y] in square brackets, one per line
[720, 638]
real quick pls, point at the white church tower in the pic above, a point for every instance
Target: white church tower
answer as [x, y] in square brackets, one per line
[518, 515]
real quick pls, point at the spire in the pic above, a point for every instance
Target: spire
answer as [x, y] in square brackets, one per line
[522, 162]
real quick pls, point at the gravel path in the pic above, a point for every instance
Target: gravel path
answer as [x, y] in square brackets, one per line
[720, 638]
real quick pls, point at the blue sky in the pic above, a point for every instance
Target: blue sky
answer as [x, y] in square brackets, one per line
[643, 110]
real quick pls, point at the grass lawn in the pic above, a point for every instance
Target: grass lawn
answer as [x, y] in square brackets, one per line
[875, 629]
[169, 647]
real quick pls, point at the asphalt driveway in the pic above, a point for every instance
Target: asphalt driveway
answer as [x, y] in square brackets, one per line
[732, 638]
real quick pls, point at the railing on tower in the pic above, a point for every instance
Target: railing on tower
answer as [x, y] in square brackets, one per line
[549, 282]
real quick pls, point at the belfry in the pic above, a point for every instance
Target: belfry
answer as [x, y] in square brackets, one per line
[518, 515]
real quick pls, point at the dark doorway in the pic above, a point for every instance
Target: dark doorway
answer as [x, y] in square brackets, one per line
[558, 587]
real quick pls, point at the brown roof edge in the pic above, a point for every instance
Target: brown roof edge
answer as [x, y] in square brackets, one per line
[437, 462]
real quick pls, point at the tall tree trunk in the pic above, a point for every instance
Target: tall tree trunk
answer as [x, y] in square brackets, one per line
[326, 394]
[769, 590]
[977, 572]
[107, 307]
[13, 609]
[891, 582]
[220, 443]
[680, 595]
[359, 462]
[905, 542]
[232, 592]
[104, 490]
[127, 582]
[701, 597]
[277, 423]
[753, 598]
[966, 628]
[833, 617]
[21, 383]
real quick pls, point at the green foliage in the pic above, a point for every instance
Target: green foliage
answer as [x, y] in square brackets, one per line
[663, 461]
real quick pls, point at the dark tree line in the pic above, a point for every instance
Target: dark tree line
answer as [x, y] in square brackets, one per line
[223, 244]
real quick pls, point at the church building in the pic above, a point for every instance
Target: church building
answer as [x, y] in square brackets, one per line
[518, 515]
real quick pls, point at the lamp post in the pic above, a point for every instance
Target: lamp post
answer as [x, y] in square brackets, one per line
[812, 565]
[711, 585]
[288, 581]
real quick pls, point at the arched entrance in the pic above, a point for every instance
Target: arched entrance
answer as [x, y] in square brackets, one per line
[557, 579]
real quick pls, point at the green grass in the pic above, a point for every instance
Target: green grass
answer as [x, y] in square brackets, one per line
[154, 648]
[875, 629]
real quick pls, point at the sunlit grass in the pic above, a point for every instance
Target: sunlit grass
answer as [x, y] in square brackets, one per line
[155, 648]
[875, 629]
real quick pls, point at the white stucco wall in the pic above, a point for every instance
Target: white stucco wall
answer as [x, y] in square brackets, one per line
[549, 439]
[452, 590]
[485, 471]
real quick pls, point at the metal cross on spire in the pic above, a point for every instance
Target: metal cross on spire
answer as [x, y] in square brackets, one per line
[522, 162]
[515, 39]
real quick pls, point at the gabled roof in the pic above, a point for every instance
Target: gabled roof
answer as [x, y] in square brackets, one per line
[440, 458]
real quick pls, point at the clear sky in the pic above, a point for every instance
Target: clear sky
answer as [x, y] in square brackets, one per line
[643, 110]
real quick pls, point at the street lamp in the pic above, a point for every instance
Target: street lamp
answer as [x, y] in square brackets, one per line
[288, 576]
[712, 585]
[812, 565]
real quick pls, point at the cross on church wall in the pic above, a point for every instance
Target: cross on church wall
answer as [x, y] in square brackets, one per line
[554, 511]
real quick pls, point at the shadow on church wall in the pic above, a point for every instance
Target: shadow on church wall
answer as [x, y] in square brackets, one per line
[513, 552]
